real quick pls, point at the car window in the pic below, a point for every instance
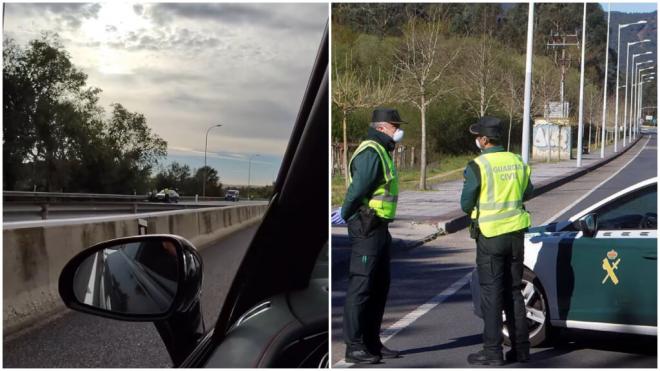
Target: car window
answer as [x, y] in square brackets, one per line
[636, 210]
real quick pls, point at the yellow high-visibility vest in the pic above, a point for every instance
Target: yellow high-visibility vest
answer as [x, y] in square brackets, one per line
[384, 199]
[504, 178]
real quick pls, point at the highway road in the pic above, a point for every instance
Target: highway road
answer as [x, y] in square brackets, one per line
[76, 339]
[429, 314]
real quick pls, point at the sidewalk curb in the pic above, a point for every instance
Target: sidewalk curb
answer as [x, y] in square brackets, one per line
[456, 219]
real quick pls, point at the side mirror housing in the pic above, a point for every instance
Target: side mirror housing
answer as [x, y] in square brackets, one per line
[588, 224]
[141, 278]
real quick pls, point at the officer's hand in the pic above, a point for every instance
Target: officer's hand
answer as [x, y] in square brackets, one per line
[336, 217]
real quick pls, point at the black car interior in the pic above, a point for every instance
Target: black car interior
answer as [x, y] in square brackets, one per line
[276, 311]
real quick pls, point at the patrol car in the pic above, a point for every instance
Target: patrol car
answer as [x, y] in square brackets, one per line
[595, 271]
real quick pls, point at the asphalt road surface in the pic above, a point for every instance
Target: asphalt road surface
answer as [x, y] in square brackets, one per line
[81, 340]
[429, 314]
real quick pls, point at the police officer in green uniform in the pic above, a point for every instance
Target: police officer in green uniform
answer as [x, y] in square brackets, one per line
[496, 184]
[369, 205]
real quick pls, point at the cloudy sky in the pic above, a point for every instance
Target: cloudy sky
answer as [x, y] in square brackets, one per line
[188, 66]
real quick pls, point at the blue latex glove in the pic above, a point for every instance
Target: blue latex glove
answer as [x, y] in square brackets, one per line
[336, 217]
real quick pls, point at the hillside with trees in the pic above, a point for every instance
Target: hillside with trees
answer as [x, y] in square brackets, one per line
[446, 65]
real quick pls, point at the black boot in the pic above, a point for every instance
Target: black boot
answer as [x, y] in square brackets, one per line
[485, 359]
[517, 356]
[361, 356]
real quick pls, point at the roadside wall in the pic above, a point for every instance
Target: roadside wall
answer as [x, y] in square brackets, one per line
[34, 253]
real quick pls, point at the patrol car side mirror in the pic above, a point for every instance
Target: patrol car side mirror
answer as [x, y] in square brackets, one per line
[141, 278]
[146, 278]
[588, 224]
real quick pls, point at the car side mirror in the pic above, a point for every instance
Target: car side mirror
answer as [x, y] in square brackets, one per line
[588, 224]
[141, 278]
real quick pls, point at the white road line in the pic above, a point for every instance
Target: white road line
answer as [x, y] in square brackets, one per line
[413, 316]
[596, 187]
[89, 294]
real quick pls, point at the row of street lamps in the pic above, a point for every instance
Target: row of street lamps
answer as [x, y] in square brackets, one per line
[630, 120]
[206, 142]
[629, 126]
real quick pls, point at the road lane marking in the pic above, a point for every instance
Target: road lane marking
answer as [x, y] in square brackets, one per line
[564, 210]
[418, 312]
[89, 294]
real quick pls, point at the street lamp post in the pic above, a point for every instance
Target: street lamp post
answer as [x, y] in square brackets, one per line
[625, 109]
[528, 84]
[626, 115]
[607, 57]
[616, 105]
[641, 99]
[581, 105]
[634, 96]
[206, 143]
[640, 95]
[250, 172]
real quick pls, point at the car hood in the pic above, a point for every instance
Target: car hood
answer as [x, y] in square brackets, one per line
[552, 227]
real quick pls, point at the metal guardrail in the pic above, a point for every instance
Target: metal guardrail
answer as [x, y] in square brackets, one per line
[21, 204]
[22, 195]
[45, 209]
[18, 204]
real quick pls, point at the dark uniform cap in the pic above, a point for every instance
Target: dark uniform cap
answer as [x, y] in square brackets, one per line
[487, 126]
[387, 115]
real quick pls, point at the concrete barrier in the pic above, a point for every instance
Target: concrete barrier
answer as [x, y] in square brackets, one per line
[35, 252]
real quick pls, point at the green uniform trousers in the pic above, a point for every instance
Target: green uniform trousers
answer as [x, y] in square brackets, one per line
[500, 269]
[368, 286]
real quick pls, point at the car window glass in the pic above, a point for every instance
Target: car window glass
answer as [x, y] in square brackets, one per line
[636, 210]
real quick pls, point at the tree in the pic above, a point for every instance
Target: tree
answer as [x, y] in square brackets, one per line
[348, 94]
[545, 84]
[593, 107]
[421, 62]
[55, 136]
[514, 88]
[480, 74]
[352, 91]
[213, 184]
[41, 88]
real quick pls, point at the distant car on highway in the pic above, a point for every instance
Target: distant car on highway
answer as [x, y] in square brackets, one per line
[232, 195]
[595, 271]
[165, 195]
[275, 313]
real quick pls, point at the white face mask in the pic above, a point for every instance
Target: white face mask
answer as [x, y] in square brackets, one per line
[398, 135]
[476, 140]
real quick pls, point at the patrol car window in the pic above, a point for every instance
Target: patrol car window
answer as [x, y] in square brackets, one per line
[636, 210]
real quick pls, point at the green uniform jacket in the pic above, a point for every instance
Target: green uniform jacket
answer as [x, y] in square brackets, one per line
[367, 173]
[472, 183]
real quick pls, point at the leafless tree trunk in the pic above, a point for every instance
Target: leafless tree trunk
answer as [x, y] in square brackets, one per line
[351, 91]
[480, 76]
[422, 60]
[513, 79]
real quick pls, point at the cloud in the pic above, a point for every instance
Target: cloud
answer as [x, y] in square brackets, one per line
[245, 66]
[167, 39]
[69, 14]
[300, 17]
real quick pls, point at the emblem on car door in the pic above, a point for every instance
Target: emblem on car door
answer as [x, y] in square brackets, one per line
[610, 268]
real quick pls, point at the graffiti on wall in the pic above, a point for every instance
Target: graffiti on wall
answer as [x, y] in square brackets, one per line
[551, 142]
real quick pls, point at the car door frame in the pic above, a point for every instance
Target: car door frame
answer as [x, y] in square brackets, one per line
[624, 243]
[297, 214]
